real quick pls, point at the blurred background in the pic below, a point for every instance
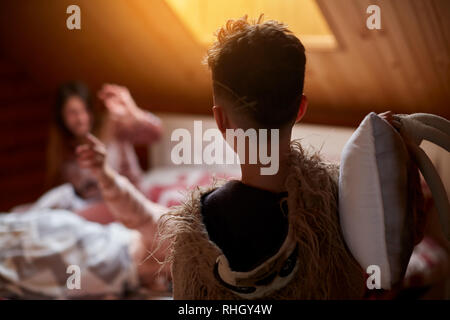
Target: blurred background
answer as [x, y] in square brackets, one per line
[155, 48]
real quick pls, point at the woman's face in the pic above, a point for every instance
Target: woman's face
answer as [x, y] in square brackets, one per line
[76, 116]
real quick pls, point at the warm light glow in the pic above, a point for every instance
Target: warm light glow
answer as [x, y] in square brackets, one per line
[304, 18]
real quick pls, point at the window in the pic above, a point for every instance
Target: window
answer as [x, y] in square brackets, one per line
[304, 18]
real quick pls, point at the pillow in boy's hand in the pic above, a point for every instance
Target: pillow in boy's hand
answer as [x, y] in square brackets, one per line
[373, 186]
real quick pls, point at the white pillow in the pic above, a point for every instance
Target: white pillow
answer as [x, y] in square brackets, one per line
[373, 199]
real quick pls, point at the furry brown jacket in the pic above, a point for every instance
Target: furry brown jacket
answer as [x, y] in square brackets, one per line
[313, 262]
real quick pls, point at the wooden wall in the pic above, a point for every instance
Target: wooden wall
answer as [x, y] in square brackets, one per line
[24, 121]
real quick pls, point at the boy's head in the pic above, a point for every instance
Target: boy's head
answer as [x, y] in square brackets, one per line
[258, 69]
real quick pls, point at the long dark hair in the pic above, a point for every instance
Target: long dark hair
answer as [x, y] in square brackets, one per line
[60, 136]
[65, 91]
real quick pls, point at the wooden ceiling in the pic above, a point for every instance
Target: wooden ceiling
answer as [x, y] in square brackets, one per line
[142, 44]
[404, 67]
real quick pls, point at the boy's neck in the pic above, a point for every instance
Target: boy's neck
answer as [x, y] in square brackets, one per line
[251, 173]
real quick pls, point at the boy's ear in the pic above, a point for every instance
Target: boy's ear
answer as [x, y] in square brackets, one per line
[302, 109]
[221, 118]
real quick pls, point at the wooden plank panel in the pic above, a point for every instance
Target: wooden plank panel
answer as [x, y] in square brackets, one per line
[390, 58]
[411, 31]
[351, 70]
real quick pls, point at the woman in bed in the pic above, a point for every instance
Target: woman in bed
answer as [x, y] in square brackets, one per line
[124, 124]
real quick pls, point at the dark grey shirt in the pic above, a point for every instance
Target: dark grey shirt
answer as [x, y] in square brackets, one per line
[248, 224]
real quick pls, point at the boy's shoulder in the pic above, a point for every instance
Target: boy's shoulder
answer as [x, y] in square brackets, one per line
[235, 194]
[221, 194]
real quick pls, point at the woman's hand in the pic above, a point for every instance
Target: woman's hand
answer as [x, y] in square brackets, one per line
[120, 104]
[92, 155]
[131, 123]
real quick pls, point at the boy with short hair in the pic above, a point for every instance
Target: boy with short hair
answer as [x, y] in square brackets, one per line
[265, 236]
